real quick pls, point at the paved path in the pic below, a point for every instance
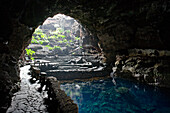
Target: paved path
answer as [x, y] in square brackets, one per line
[28, 99]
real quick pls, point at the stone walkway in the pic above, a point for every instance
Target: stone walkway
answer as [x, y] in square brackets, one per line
[28, 99]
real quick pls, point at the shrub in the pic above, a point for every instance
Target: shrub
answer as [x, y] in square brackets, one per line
[43, 36]
[77, 38]
[60, 30]
[68, 31]
[57, 47]
[60, 41]
[61, 36]
[65, 40]
[47, 46]
[37, 37]
[34, 41]
[68, 44]
[30, 52]
[50, 48]
[41, 42]
[52, 37]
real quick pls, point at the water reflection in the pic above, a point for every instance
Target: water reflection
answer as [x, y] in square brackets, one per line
[126, 97]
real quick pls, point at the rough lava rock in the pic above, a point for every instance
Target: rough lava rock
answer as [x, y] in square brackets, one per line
[118, 24]
[148, 66]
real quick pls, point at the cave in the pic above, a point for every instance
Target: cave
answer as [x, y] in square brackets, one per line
[133, 36]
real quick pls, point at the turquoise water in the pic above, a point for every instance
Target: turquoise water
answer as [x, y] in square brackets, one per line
[126, 97]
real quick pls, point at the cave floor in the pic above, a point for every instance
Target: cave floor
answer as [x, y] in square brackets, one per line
[28, 99]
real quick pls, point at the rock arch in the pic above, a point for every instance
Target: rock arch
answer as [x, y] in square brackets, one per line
[118, 24]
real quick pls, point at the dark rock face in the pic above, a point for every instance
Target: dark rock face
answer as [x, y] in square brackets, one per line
[59, 98]
[148, 66]
[118, 24]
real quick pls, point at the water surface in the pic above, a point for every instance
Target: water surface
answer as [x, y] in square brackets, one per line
[126, 97]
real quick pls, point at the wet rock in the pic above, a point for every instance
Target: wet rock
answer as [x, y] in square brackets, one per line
[28, 99]
[153, 69]
[35, 72]
[118, 24]
[59, 97]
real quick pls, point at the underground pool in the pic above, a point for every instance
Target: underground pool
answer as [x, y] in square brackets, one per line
[102, 96]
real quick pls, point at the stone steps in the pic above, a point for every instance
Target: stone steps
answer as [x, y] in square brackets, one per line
[74, 67]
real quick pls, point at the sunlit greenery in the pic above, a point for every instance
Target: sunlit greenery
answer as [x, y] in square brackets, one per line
[30, 52]
[47, 46]
[68, 44]
[37, 37]
[77, 38]
[57, 47]
[38, 31]
[52, 37]
[71, 41]
[41, 42]
[58, 36]
[50, 48]
[34, 41]
[60, 30]
[65, 40]
[60, 41]
[44, 36]
[61, 36]
[68, 31]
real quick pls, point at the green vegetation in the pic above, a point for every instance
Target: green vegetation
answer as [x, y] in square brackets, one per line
[60, 30]
[34, 41]
[50, 48]
[54, 33]
[30, 52]
[68, 44]
[54, 36]
[68, 31]
[65, 40]
[47, 46]
[37, 37]
[38, 31]
[57, 47]
[77, 38]
[41, 42]
[44, 36]
[60, 41]
[61, 36]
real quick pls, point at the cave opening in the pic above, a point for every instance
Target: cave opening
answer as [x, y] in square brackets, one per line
[132, 33]
[62, 44]
[63, 49]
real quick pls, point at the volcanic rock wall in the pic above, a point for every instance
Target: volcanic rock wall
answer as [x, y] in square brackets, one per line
[119, 25]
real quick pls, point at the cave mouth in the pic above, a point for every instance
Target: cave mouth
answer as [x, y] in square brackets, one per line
[63, 48]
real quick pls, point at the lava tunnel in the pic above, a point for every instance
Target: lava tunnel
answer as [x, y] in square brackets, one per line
[133, 36]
